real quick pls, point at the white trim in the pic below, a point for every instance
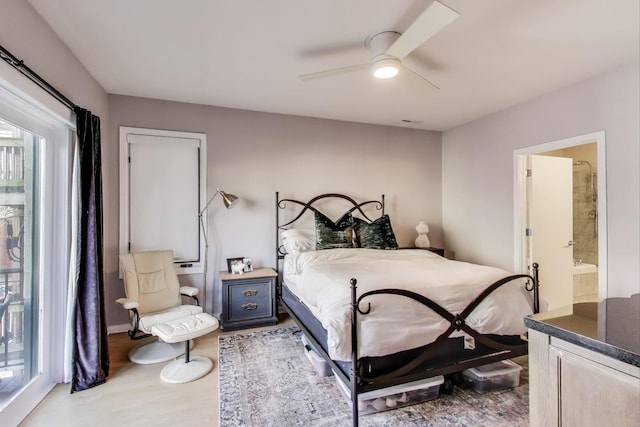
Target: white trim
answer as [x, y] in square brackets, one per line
[520, 215]
[69, 326]
[27, 92]
[55, 222]
[518, 196]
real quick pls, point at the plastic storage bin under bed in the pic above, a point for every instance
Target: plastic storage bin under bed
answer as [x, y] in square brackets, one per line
[494, 376]
[317, 361]
[394, 397]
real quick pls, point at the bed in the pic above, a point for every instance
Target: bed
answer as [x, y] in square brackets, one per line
[381, 315]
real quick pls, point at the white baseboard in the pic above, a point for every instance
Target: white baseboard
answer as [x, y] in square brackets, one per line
[117, 329]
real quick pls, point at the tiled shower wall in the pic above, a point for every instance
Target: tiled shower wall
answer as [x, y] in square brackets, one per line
[584, 216]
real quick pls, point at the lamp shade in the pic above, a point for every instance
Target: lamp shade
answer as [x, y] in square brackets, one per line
[229, 200]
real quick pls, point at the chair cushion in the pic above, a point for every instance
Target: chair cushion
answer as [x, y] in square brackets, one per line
[185, 328]
[148, 321]
[152, 282]
[150, 279]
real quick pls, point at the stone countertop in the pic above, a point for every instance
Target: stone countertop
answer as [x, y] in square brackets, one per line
[610, 327]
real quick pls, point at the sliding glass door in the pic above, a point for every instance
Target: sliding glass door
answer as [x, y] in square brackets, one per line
[35, 212]
[19, 284]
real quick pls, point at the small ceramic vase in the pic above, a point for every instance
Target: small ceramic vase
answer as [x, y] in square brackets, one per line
[422, 241]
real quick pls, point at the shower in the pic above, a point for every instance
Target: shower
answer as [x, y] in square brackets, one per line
[593, 197]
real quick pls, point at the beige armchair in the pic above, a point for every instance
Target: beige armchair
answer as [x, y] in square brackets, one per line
[154, 300]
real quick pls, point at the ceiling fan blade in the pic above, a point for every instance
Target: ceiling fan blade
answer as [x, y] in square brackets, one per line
[332, 50]
[422, 79]
[433, 19]
[334, 72]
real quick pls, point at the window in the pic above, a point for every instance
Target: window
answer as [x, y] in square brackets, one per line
[18, 284]
[153, 164]
[35, 168]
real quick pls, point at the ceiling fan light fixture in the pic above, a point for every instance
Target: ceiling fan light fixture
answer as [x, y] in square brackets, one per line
[385, 68]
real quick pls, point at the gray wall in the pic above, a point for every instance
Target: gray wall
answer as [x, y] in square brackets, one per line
[478, 171]
[28, 37]
[253, 155]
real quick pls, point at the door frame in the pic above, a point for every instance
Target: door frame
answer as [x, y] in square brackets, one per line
[521, 208]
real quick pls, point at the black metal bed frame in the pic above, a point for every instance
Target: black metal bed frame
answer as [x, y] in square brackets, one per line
[418, 367]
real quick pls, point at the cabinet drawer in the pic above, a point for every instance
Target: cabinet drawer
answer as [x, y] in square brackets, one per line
[250, 300]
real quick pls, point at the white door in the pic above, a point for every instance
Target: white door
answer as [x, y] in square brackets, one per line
[551, 227]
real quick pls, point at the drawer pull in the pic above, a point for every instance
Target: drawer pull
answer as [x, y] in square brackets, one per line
[250, 293]
[249, 306]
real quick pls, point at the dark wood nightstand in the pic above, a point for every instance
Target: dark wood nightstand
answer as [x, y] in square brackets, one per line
[249, 299]
[438, 251]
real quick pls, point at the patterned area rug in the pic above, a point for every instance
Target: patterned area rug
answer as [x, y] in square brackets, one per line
[266, 380]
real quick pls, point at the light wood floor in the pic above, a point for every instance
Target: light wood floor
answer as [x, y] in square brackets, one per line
[134, 395]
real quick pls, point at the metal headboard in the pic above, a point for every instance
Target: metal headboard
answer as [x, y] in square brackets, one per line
[304, 207]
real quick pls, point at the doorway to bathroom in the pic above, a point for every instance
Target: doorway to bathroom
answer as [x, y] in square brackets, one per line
[560, 217]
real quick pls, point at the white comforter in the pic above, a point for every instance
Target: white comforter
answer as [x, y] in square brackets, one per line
[321, 280]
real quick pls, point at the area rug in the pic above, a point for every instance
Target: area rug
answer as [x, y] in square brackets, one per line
[266, 380]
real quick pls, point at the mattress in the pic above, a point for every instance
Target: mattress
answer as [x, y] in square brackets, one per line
[321, 281]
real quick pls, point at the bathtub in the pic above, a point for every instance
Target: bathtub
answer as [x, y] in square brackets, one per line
[584, 269]
[585, 283]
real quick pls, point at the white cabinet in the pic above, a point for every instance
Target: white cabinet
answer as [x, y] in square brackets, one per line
[574, 386]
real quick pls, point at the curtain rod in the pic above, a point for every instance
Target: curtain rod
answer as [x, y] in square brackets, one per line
[19, 65]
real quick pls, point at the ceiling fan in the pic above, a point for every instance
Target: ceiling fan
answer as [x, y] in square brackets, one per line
[389, 48]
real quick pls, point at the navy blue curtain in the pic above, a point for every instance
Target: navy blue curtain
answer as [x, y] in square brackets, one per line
[90, 350]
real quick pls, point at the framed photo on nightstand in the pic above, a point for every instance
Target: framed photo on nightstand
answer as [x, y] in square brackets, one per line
[231, 262]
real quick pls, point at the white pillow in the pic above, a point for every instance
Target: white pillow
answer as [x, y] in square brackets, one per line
[298, 240]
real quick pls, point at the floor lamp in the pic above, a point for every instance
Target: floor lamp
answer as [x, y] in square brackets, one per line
[229, 201]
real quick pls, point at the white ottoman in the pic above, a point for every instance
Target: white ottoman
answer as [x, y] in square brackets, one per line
[184, 329]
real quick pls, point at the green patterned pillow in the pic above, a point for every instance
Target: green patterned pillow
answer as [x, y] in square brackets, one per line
[375, 235]
[332, 235]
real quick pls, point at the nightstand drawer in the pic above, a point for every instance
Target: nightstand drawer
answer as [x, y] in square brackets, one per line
[250, 300]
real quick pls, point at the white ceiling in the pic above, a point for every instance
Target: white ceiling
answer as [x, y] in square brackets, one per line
[247, 54]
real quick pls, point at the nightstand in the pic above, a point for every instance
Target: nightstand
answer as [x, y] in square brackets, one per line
[437, 251]
[249, 299]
